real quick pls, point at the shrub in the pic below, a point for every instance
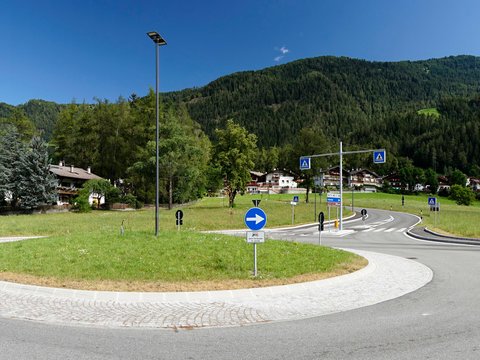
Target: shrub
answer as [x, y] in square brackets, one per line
[81, 204]
[130, 200]
[462, 195]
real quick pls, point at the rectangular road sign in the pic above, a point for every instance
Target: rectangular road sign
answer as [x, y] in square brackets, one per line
[432, 201]
[255, 237]
[333, 199]
[304, 163]
[379, 156]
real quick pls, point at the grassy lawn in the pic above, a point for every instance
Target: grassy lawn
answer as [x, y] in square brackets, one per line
[87, 250]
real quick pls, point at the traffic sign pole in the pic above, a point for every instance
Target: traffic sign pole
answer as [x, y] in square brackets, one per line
[255, 259]
[255, 219]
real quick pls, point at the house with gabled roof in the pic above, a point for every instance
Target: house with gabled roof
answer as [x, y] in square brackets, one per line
[366, 179]
[70, 181]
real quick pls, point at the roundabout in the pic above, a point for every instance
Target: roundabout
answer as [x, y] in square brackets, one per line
[385, 277]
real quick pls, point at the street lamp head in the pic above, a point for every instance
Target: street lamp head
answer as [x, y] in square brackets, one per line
[157, 38]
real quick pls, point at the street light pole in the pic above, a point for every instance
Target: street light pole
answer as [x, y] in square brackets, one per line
[159, 41]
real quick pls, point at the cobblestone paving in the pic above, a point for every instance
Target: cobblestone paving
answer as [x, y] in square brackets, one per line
[386, 277]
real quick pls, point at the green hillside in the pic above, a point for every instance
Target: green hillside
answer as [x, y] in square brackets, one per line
[426, 110]
[342, 94]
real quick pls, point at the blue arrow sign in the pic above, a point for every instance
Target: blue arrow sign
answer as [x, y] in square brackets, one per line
[255, 219]
[379, 156]
[304, 163]
[432, 201]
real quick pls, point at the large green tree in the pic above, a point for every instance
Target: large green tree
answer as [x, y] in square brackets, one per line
[234, 155]
[36, 184]
[12, 149]
[310, 141]
[431, 180]
[184, 153]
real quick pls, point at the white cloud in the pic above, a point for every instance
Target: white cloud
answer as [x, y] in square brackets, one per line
[283, 51]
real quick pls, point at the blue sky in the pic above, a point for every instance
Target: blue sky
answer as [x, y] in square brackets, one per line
[64, 50]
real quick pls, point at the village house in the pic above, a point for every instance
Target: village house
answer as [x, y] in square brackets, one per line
[275, 182]
[70, 181]
[474, 184]
[365, 180]
[360, 179]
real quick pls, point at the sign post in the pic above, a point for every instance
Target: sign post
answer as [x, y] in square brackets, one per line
[255, 219]
[364, 215]
[293, 203]
[321, 219]
[179, 217]
[432, 202]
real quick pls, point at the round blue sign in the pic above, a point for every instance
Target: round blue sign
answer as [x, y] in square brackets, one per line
[255, 219]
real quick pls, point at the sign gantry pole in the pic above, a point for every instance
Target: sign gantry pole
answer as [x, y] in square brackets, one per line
[379, 157]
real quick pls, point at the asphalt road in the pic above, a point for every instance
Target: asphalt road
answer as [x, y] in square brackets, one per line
[438, 321]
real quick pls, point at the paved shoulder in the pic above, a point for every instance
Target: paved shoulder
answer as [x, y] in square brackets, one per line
[386, 277]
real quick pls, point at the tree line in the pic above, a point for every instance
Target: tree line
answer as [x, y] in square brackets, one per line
[296, 109]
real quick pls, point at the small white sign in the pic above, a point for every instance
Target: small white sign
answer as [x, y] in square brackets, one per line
[293, 203]
[255, 237]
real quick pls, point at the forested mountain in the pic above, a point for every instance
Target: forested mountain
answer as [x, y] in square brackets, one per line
[344, 95]
[363, 103]
[43, 114]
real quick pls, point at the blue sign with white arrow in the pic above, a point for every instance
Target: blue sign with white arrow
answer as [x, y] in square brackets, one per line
[255, 219]
[304, 163]
[379, 156]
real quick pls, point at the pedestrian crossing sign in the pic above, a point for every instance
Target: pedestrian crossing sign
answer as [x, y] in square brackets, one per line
[304, 163]
[432, 201]
[379, 156]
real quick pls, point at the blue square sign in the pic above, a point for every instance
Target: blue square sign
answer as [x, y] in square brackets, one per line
[304, 163]
[379, 156]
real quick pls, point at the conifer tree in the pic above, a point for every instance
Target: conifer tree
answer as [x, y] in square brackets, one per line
[11, 148]
[37, 185]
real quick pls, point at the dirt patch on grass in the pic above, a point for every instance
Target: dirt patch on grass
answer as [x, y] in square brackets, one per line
[159, 286]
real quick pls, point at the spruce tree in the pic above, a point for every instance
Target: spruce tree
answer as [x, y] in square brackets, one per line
[37, 185]
[11, 148]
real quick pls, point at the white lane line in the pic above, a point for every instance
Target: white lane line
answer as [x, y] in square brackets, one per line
[391, 229]
[402, 230]
[378, 230]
